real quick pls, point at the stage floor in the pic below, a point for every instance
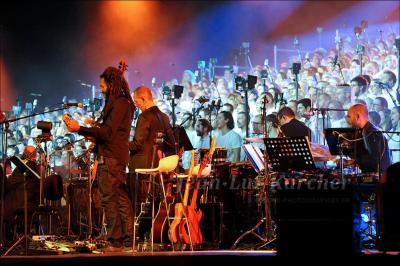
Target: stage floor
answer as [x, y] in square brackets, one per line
[246, 258]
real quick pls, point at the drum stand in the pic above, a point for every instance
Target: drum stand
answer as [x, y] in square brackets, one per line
[263, 193]
[267, 218]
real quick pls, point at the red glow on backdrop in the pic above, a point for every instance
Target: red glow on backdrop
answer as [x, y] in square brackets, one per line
[134, 30]
[310, 15]
[393, 16]
[7, 96]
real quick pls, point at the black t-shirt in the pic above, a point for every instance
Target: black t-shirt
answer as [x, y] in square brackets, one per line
[296, 128]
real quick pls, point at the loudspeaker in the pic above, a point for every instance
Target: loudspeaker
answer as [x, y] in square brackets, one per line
[316, 220]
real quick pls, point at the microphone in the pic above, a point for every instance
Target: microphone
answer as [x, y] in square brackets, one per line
[382, 84]
[194, 116]
[265, 100]
[35, 94]
[68, 104]
[212, 105]
[218, 105]
[202, 99]
[335, 60]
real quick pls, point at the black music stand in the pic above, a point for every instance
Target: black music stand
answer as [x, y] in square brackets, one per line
[26, 171]
[292, 153]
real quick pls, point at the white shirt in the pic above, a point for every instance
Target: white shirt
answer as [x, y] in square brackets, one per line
[230, 141]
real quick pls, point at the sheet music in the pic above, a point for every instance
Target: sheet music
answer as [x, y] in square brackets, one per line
[255, 156]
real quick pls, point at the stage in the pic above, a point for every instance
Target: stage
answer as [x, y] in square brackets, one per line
[195, 258]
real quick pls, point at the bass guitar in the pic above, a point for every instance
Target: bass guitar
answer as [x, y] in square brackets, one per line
[190, 231]
[173, 232]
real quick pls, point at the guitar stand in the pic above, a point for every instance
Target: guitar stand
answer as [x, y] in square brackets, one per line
[150, 191]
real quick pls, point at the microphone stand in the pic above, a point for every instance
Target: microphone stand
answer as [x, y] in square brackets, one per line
[360, 52]
[196, 112]
[173, 104]
[385, 87]
[340, 70]
[323, 113]
[212, 107]
[246, 101]
[316, 120]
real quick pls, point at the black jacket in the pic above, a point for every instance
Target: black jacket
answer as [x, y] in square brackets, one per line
[112, 136]
[371, 150]
[151, 121]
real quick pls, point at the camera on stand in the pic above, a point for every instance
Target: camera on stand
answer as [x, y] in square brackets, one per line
[46, 131]
[360, 49]
[175, 92]
[296, 67]
[264, 74]
[243, 84]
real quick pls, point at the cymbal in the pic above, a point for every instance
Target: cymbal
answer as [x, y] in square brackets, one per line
[256, 140]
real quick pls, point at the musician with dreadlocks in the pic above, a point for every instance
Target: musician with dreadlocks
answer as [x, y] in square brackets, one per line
[112, 136]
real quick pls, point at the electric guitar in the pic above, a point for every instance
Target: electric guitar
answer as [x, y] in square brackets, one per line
[173, 232]
[190, 231]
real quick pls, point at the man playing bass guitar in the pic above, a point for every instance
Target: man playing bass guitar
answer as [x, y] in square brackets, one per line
[112, 136]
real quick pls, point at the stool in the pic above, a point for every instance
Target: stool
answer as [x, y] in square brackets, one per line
[165, 165]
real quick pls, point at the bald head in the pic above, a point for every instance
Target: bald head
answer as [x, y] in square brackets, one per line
[357, 115]
[359, 109]
[144, 92]
[143, 98]
[30, 152]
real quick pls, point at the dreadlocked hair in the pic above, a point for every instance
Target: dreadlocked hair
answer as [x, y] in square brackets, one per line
[118, 87]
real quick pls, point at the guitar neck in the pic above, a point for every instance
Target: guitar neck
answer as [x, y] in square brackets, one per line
[187, 188]
[193, 202]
